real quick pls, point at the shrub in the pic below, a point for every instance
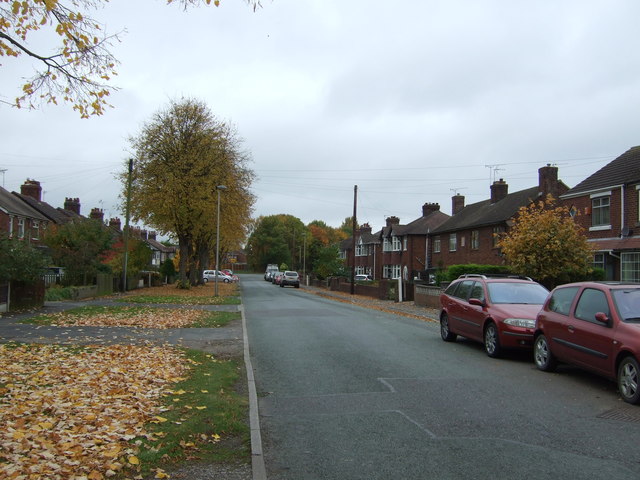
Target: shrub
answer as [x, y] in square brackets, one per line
[454, 271]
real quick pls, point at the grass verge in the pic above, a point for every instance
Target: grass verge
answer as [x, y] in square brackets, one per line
[181, 300]
[207, 420]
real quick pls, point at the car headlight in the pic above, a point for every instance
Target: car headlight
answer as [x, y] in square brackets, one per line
[520, 322]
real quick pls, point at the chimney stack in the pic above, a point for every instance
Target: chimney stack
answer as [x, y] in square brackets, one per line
[457, 203]
[152, 235]
[392, 221]
[499, 190]
[429, 208]
[115, 224]
[72, 204]
[97, 214]
[364, 228]
[31, 188]
[548, 181]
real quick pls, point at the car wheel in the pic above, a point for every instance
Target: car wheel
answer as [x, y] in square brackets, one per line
[282, 285]
[297, 286]
[445, 333]
[628, 373]
[226, 280]
[492, 341]
[542, 355]
[205, 280]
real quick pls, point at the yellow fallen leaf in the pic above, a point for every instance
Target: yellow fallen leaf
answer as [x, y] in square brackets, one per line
[133, 460]
[160, 419]
[161, 474]
[200, 408]
[204, 391]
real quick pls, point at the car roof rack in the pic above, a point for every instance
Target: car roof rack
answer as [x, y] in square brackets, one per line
[495, 275]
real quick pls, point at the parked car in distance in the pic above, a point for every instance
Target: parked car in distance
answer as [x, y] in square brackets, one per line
[210, 275]
[268, 273]
[290, 278]
[272, 276]
[363, 278]
[500, 312]
[595, 326]
[277, 276]
[231, 274]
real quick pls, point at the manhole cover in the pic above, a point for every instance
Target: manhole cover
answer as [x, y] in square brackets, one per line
[622, 414]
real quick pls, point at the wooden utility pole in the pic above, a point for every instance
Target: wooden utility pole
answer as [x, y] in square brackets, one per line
[353, 240]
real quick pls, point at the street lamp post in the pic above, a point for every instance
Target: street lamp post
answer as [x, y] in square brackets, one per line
[218, 189]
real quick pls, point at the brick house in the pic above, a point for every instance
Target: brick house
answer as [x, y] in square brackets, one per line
[367, 252]
[19, 220]
[606, 204]
[31, 193]
[469, 236]
[396, 250]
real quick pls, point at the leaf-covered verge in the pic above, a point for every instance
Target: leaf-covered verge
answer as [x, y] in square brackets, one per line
[200, 295]
[116, 411]
[143, 317]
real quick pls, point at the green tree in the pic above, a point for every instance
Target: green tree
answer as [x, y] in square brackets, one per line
[546, 244]
[347, 226]
[329, 262]
[20, 261]
[181, 156]
[277, 239]
[80, 247]
[78, 69]
[139, 257]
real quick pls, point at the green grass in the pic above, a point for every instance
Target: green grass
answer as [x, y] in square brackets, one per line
[217, 433]
[181, 300]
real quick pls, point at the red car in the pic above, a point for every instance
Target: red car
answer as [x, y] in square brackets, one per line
[595, 326]
[500, 312]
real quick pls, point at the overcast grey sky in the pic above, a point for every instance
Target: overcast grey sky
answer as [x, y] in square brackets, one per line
[410, 100]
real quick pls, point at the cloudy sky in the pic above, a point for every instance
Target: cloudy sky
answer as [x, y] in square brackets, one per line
[412, 100]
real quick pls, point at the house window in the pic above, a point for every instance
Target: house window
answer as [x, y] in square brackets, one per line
[404, 242]
[396, 243]
[35, 230]
[391, 271]
[21, 228]
[436, 244]
[600, 211]
[360, 248]
[462, 241]
[497, 234]
[386, 244]
[453, 242]
[475, 240]
[630, 266]
[598, 260]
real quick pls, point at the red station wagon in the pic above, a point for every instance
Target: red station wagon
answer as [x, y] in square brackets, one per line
[500, 312]
[595, 326]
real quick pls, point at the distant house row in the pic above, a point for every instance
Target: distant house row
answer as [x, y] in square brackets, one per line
[26, 216]
[608, 202]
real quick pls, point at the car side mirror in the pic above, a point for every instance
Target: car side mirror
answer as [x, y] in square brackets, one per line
[602, 318]
[477, 302]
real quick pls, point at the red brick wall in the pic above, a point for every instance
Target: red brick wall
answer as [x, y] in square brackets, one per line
[485, 254]
[583, 206]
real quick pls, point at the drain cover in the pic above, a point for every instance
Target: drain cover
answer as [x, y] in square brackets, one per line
[622, 414]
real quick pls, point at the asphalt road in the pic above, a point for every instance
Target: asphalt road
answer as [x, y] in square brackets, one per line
[347, 392]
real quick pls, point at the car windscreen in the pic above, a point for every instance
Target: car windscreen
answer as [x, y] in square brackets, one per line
[627, 302]
[515, 292]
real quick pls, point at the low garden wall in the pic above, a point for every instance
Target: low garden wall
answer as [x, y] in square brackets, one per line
[427, 295]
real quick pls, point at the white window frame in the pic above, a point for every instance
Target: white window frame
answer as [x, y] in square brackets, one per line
[453, 242]
[386, 244]
[396, 243]
[405, 241]
[21, 227]
[35, 230]
[597, 223]
[436, 244]
[630, 266]
[360, 248]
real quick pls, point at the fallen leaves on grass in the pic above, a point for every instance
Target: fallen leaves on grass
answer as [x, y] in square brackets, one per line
[130, 317]
[70, 413]
[207, 290]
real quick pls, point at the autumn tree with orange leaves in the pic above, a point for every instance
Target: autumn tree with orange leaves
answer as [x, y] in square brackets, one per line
[546, 244]
[76, 69]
